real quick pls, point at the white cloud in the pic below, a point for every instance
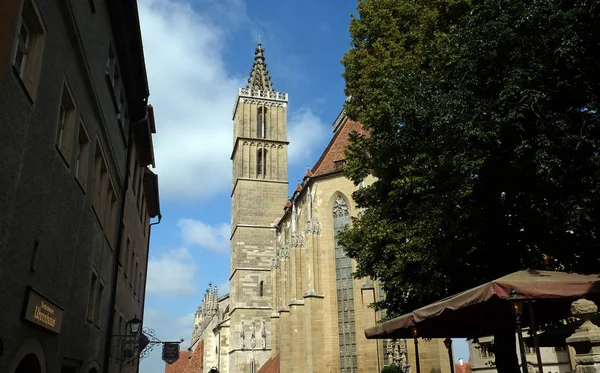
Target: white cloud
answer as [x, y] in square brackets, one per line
[171, 274]
[197, 233]
[306, 132]
[192, 93]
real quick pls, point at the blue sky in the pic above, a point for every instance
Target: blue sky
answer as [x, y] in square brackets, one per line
[198, 53]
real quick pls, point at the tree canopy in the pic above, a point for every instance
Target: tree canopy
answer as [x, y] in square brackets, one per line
[483, 138]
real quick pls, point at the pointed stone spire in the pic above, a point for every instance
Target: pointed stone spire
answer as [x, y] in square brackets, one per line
[259, 76]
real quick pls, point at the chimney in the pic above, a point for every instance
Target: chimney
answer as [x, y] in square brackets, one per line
[460, 361]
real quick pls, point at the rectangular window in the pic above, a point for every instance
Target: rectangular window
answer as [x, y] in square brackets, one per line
[98, 306]
[110, 212]
[111, 66]
[135, 277]
[140, 191]
[136, 170]
[29, 47]
[143, 210]
[123, 244]
[91, 308]
[126, 258]
[146, 223]
[131, 262]
[121, 329]
[82, 155]
[66, 124]
[140, 286]
[100, 182]
[122, 111]
[23, 41]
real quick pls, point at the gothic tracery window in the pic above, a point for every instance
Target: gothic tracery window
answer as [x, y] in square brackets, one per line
[261, 123]
[261, 158]
[345, 294]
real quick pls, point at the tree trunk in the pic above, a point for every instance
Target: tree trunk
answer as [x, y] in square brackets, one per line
[505, 350]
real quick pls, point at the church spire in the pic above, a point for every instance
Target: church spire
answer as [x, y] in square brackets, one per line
[259, 76]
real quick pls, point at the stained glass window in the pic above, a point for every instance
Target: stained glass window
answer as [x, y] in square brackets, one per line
[345, 294]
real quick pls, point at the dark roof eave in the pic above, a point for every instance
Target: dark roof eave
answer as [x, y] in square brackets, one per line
[143, 139]
[151, 192]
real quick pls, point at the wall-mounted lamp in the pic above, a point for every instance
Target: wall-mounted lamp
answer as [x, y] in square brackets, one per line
[134, 325]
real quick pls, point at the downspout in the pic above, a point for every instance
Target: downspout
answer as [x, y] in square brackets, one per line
[115, 279]
[146, 275]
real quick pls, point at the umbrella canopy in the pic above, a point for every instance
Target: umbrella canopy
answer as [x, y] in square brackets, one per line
[485, 309]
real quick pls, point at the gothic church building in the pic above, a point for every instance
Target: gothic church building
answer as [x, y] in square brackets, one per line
[293, 305]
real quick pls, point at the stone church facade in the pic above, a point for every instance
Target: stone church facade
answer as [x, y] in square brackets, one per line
[293, 305]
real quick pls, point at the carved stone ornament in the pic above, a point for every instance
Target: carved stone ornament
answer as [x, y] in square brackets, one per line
[285, 252]
[398, 354]
[262, 102]
[242, 337]
[263, 334]
[313, 227]
[297, 240]
[252, 337]
[340, 207]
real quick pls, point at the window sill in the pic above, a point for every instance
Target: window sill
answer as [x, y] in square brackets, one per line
[27, 90]
[97, 217]
[81, 185]
[110, 245]
[63, 157]
[111, 88]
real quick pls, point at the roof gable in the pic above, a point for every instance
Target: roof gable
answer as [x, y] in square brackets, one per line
[333, 156]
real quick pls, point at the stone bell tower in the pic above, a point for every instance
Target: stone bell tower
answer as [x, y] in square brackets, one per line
[259, 192]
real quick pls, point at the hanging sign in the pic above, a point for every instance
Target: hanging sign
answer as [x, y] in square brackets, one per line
[170, 352]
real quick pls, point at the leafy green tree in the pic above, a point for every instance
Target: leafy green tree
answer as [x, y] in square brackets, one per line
[484, 140]
[392, 368]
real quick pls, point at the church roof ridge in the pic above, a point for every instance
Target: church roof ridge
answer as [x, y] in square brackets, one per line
[259, 75]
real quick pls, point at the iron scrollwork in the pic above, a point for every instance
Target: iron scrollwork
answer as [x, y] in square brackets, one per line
[137, 347]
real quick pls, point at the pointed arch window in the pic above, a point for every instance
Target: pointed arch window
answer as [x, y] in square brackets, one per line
[261, 122]
[344, 290]
[261, 159]
[261, 289]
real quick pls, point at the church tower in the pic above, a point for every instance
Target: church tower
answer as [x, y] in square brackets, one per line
[259, 192]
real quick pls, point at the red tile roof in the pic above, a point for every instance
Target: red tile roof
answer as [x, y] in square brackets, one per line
[335, 149]
[197, 360]
[271, 366]
[179, 365]
[465, 368]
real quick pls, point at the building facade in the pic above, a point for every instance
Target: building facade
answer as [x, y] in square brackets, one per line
[293, 304]
[76, 146]
[554, 359]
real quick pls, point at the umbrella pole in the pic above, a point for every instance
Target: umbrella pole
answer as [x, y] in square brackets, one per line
[448, 344]
[521, 346]
[417, 355]
[536, 341]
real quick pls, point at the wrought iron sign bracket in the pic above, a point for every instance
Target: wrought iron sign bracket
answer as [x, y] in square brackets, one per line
[137, 347]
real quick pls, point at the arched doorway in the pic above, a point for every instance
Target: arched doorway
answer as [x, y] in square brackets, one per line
[29, 364]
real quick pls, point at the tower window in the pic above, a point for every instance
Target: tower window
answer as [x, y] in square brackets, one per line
[261, 123]
[261, 156]
[261, 290]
